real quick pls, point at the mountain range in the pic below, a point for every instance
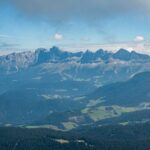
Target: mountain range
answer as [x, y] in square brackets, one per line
[65, 90]
[17, 61]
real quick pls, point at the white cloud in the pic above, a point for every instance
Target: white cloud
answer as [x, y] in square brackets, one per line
[139, 38]
[58, 36]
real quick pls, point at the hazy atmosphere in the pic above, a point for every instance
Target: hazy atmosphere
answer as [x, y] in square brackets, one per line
[74, 74]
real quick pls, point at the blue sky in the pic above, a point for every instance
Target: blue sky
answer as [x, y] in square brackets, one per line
[74, 25]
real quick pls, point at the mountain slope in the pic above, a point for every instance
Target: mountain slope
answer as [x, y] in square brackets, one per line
[132, 92]
[118, 103]
[122, 102]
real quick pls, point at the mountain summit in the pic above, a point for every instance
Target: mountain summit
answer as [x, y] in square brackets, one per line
[18, 61]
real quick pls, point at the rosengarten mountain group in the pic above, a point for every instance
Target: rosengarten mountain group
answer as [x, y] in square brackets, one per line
[64, 90]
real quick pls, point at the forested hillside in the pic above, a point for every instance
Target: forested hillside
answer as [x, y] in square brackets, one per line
[131, 137]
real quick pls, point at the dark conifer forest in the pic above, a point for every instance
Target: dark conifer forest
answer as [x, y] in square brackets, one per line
[131, 137]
